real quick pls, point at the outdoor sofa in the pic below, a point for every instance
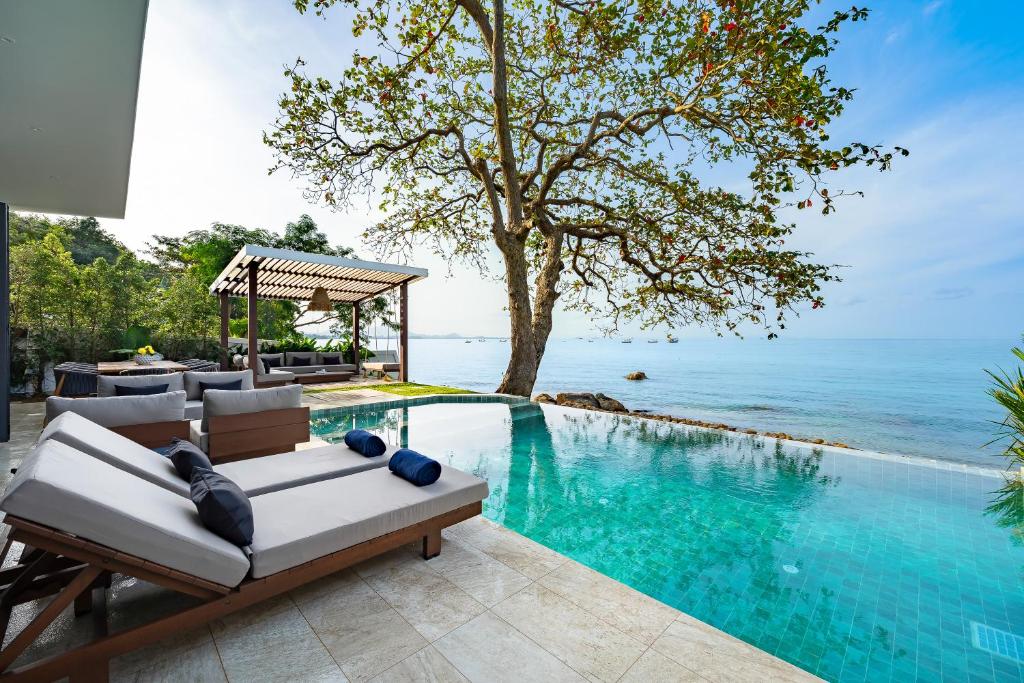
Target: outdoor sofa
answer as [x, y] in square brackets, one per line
[304, 366]
[81, 518]
[232, 424]
[190, 382]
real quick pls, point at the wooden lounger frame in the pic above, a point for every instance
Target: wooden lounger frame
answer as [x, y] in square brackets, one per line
[73, 568]
[154, 434]
[249, 435]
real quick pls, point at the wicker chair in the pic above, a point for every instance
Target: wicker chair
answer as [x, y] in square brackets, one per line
[143, 370]
[75, 379]
[200, 365]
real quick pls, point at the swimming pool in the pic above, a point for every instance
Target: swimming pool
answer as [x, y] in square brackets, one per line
[853, 567]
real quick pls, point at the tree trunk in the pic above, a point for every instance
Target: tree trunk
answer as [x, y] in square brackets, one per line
[521, 372]
[530, 325]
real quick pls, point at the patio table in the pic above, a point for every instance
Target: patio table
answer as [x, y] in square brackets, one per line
[115, 367]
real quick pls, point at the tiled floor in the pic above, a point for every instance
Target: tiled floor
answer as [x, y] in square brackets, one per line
[494, 606]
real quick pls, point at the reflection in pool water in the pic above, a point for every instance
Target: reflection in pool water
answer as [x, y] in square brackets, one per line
[851, 566]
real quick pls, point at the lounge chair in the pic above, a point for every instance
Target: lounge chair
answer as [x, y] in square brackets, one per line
[382, 362]
[90, 519]
[255, 476]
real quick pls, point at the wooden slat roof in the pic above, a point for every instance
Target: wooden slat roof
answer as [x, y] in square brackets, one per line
[293, 275]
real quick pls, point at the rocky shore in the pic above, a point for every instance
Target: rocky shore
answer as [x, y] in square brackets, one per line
[607, 404]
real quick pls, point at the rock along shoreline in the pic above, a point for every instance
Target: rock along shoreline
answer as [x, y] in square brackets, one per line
[606, 404]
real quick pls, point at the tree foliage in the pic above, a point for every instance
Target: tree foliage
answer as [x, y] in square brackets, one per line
[64, 307]
[581, 139]
[1008, 391]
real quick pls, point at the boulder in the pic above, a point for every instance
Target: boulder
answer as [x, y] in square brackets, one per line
[577, 399]
[636, 375]
[543, 398]
[609, 403]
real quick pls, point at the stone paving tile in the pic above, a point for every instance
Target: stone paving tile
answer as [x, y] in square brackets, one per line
[586, 643]
[628, 610]
[426, 666]
[490, 650]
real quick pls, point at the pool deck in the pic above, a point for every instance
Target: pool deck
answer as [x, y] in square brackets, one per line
[494, 606]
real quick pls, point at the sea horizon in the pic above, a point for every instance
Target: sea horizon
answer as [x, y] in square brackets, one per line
[920, 397]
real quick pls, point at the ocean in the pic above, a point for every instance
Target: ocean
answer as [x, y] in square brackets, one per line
[924, 397]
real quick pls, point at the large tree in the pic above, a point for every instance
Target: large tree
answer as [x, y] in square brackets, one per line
[581, 139]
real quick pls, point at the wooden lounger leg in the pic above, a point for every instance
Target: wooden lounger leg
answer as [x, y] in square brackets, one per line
[82, 582]
[432, 543]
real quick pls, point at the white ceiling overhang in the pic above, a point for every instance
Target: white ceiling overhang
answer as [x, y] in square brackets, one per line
[69, 81]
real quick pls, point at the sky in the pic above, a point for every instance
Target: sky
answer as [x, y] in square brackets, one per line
[934, 249]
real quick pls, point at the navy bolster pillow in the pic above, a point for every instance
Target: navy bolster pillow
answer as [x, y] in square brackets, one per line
[186, 456]
[223, 508]
[414, 468]
[234, 385]
[329, 359]
[365, 443]
[272, 362]
[125, 390]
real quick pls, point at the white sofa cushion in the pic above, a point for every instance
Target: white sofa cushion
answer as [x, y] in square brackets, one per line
[192, 380]
[301, 524]
[299, 358]
[106, 385]
[116, 450]
[276, 376]
[218, 402]
[193, 410]
[61, 488]
[116, 411]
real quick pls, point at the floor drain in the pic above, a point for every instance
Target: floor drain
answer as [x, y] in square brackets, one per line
[790, 569]
[1002, 643]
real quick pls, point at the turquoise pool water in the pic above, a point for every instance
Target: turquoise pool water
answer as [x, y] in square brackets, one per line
[852, 567]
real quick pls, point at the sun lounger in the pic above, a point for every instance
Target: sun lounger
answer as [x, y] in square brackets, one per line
[256, 476]
[89, 519]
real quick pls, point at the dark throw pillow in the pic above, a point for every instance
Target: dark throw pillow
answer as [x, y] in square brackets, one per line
[301, 360]
[365, 443]
[330, 359]
[186, 456]
[235, 385]
[414, 467]
[274, 362]
[223, 508]
[125, 390]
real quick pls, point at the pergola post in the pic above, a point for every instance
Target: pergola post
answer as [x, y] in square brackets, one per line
[225, 316]
[5, 327]
[355, 336]
[403, 335]
[254, 354]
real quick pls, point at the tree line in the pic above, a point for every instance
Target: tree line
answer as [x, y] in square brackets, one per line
[78, 294]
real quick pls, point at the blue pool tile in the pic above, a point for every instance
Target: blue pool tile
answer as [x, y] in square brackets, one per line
[852, 567]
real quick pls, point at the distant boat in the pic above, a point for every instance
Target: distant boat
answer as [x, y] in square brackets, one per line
[481, 339]
[627, 340]
[672, 340]
[469, 341]
[504, 340]
[652, 341]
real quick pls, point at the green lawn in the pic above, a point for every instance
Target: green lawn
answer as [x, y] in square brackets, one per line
[397, 388]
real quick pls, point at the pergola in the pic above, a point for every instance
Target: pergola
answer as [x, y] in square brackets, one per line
[283, 275]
